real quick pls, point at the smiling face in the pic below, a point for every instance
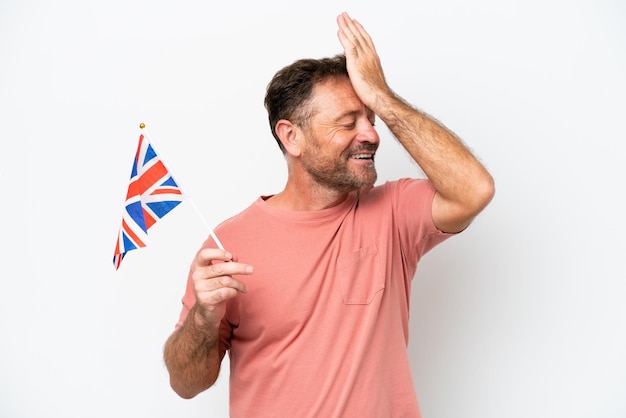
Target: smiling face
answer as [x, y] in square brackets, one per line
[340, 139]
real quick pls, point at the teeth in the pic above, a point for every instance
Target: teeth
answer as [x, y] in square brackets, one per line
[362, 156]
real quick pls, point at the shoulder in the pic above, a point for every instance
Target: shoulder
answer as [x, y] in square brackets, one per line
[242, 217]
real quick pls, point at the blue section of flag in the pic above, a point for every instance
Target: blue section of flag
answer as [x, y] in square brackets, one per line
[135, 211]
[162, 208]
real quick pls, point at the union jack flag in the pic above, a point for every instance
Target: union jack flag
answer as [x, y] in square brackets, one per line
[152, 194]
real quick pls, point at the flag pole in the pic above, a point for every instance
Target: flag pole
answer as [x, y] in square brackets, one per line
[142, 126]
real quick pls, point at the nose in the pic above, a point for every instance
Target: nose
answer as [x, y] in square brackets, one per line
[367, 132]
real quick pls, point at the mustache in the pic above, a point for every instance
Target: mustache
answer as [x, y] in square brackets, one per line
[365, 146]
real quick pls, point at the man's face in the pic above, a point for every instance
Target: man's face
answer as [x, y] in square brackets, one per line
[340, 139]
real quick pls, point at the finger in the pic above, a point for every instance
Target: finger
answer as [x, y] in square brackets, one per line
[215, 284]
[222, 282]
[353, 36]
[345, 32]
[219, 269]
[210, 300]
[228, 269]
[359, 32]
[207, 255]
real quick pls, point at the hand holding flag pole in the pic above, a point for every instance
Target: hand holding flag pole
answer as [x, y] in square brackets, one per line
[152, 194]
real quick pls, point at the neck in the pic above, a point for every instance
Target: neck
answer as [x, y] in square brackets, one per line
[306, 197]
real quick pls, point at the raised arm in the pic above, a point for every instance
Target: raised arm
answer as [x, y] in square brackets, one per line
[192, 353]
[464, 187]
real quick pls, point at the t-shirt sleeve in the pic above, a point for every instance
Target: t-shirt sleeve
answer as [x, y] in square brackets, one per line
[412, 202]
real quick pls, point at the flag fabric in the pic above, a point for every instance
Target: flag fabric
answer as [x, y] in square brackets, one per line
[152, 194]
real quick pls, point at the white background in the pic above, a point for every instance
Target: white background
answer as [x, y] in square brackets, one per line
[522, 315]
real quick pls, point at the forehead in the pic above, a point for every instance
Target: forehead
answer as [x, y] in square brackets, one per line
[336, 97]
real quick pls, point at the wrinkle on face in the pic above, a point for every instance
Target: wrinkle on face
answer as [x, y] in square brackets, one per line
[341, 126]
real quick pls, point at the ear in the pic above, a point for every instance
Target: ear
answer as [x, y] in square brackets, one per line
[289, 134]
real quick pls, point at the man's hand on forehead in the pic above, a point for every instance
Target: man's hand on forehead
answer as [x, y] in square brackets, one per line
[362, 61]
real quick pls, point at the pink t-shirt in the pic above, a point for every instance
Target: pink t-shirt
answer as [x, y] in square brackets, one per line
[323, 329]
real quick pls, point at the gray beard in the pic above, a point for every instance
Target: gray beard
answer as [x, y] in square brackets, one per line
[339, 178]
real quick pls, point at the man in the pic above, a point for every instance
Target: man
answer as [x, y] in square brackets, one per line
[315, 316]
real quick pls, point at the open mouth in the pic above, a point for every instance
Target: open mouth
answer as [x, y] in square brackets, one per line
[364, 156]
